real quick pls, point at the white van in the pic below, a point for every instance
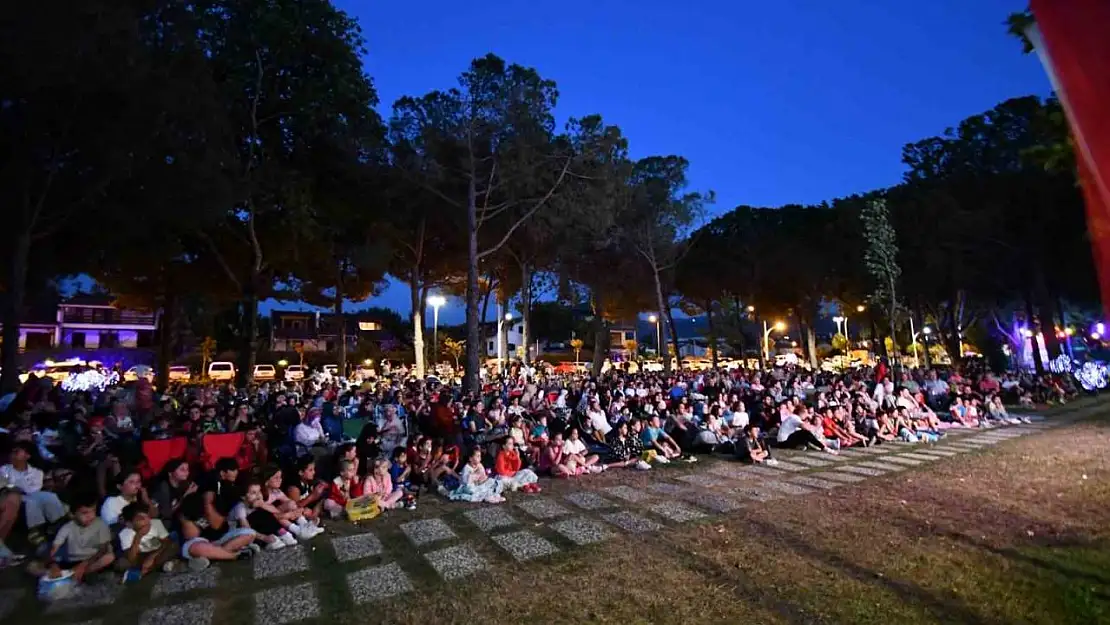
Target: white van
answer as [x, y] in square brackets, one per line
[179, 373]
[294, 373]
[332, 370]
[263, 373]
[221, 371]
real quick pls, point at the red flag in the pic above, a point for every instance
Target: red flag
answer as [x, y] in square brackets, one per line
[1075, 49]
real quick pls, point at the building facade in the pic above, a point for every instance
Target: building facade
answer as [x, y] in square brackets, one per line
[86, 322]
[292, 331]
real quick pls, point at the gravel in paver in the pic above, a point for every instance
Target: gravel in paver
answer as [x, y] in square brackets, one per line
[543, 508]
[588, 501]
[909, 462]
[860, 470]
[847, 478]
[525, 545]
[456, 562]
[764, 471]
[785, 488]
[356, 547]
[755, 492]
[712, 501]
[733, 471]
[189, 613]
[815, 482]
[286, 604]
[283, 562]
[918, 456]
[627, 493]
[877, 449]
[378, 582]
[489, 518]
[677, 512]
[582, 531]
[810, 461]
[630, 522]
[666, 488]
[185, 582]
[86, 596]
[708, 481]
[784, 465]
[427, 531]
[943, 453]
[9, 599]
[881, 466]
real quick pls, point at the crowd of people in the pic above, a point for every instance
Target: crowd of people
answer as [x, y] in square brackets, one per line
[129, 481]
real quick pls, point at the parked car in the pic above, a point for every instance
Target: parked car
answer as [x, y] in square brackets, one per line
[781, 360]
[571, 367]
[652, 366]
[294, 373]
[221, 371]
[332, 370]
[132, 374]
[365, 371]
[263, 373]
[180, 373]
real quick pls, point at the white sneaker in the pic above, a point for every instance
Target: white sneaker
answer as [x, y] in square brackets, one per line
[199, 564]
[288, 538]
[643, 466]
[276, 544]
[771, 461]
[313, 530]
[662, 460]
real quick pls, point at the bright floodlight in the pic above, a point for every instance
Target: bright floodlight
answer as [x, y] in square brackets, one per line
[508, 316]
[367, 362]
[435, 301]
[926, 330]
[283, 362]
[653, 318]
[861, 308]
[1100, 327]
[751, 308]
[780, 326]
[838, 319]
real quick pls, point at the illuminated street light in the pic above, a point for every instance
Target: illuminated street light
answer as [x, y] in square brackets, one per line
[435, 301]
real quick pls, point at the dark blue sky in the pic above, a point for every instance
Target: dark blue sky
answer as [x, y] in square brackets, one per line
[794, 101]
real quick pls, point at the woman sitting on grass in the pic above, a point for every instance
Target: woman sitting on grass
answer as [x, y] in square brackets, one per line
[793, 433]
[752, 449]
[379, 485]
[624, 449]
[510, 471]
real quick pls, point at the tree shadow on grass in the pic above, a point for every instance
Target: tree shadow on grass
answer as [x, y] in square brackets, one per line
[945, 609]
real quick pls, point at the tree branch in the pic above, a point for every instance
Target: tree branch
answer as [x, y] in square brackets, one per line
[531, 211]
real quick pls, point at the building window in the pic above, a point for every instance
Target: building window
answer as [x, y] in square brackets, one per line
[489, 347]
[77, 340]
[369, 326]
[109, 339]
[294, 323]
[329, 346]
[39, 340]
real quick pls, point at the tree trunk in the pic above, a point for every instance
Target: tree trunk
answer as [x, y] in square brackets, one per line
[166, 323]
[740, 328]
[674, 337]
[417, 319]
[471, 378]
[339, 294]
[483, 334]
[811, 345]
[525, 309]
[664, 313]
[1034, 346]
[1046, 316]
[922, 342]
[761, 333]
[712, 333]
[13, 313]
[249, 327]
[503, 336]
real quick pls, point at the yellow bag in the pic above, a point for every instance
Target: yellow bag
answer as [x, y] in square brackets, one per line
[362, 508]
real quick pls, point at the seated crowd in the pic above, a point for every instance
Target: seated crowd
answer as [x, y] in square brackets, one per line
[127, 481]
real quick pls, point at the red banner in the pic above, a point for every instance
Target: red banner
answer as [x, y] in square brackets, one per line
[1075, 46]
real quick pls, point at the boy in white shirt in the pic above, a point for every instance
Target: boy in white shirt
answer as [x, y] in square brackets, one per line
[145, 543]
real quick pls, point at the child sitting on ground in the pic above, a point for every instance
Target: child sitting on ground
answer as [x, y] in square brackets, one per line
[287, 512]
[263, 518]
[379, 485]
[145, 543]
[345, 487]
[476, 485]
[83, 545]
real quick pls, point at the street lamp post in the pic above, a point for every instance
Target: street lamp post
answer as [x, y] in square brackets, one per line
[500, 352]
[658, 337]
[435, 301]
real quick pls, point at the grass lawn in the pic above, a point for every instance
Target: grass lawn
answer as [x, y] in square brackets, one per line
[1017, 532]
